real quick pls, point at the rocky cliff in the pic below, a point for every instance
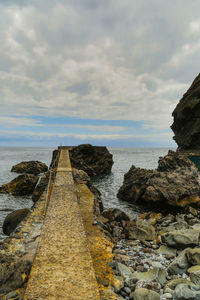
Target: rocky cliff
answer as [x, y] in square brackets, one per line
[186, 125]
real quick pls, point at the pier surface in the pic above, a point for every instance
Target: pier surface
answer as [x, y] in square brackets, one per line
[63, 267]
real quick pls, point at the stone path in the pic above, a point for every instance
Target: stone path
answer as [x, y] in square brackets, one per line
[63, 267]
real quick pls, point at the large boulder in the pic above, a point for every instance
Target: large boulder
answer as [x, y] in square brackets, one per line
[30, 167]
[91, 159]
[186, 125]
[13, 219]
[176, 182]
[20, 186]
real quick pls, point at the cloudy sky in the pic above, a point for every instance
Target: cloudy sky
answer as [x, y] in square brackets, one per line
[106, 72]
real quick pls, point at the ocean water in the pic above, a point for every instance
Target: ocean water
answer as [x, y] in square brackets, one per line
[108, 185]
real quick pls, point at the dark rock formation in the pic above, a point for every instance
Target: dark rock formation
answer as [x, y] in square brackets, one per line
[91, 159]
[41, 186]
[30, 167]
[13, 271]
[13, 219]
[175, 183]
[115, 214]
[186, 125]
[20, 186]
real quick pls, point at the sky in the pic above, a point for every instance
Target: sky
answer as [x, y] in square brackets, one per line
[104, 72]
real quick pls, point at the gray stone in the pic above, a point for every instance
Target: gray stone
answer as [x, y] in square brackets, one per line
[181, 238]
[180, 264]
[12, 294]
[195, 277]
[171, 285]
[123, 270]
[144, 294]
[155, 274]
[193, 256]
[167, 250]
[186, 292]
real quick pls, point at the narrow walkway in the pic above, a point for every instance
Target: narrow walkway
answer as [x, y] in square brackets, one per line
[63, 267]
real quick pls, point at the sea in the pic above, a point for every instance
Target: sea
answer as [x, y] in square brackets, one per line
[108, 185]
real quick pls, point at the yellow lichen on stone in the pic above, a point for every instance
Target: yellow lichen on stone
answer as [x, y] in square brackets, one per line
[100, 247]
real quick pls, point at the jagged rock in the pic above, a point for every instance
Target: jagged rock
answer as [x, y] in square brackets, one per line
[180, 264]
[41, 186]
[80, 175]
[13, 219]
[186, 292]
[134, 185]
[186, 125]
[20, 186]
[176, 182]
[30, 167]
[13, 272]
[91, 159]
[181, 238]
[141, 230]
[144, 294]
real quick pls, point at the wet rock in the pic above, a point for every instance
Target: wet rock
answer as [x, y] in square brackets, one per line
[187, 118]
[30, 167]
[91, 159]
[13, 219]
[180, 264]
[193, 256]
[186, 292]
[11, 271]
[20, 186]
[115, 214]
[181, 238]
[80, 175]
[175, 183]
[144, 294]
[41, 186]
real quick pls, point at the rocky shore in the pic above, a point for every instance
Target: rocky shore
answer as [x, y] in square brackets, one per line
[154, 256]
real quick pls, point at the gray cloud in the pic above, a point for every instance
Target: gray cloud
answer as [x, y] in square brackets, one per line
[98, 59]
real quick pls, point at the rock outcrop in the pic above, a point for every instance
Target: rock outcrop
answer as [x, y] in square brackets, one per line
[91, 159]
[20, 186]
[41, 186]
[30, 167]
[13, 219]
[186, 125]
[175, 182]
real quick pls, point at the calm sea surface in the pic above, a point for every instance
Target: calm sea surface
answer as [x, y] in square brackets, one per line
[108, 185]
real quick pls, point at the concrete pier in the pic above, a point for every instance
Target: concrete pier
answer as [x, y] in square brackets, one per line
[63, 267]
